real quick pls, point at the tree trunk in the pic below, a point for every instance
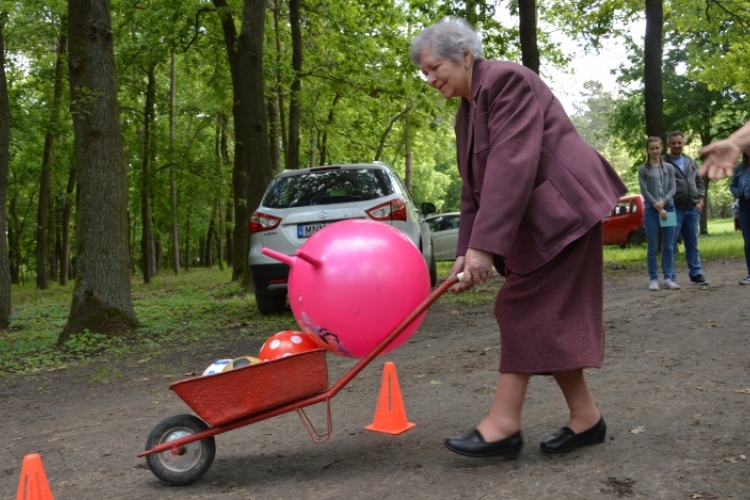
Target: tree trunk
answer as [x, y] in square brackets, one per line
[65, 225]
[239, 172]
[228, 247]
[407, 151]
[387, 131]
[224, 151]
[652, 69]
[273, 134]
[279, 97]
[219, 229]
[101, 298]
[46, 188]
[54, 236]
[527, 34]
[131, 244]
[216, 209]
[201, 252]
[314, 132]
[329, 124]
[208, 256]
[14, 249]
[292, 159]
[172, 186]
[5, 278]
[157, 256]
[187, 242]
[155, 250]
[147, 255]
[255, 133]
[42, 280]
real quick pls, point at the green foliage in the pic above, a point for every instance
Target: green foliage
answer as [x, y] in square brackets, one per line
[196, 307]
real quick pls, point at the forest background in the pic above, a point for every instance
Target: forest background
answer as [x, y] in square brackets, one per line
[137, 136]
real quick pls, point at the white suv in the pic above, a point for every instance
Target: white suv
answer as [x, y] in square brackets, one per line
[298, 203]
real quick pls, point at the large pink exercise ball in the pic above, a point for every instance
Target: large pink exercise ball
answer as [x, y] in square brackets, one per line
[353, 282]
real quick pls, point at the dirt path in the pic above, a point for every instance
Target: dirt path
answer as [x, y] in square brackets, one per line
[675, 391]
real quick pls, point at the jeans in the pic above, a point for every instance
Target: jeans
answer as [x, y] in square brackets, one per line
[653, 226]
[687, 225]
[745, 226]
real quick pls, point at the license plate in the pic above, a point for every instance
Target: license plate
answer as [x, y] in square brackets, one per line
[307, 230]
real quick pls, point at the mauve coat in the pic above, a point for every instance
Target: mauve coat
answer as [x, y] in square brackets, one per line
[534, 194]
[534, 185]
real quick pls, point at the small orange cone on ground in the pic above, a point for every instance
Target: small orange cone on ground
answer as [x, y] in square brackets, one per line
[33, 485]
[390, 415]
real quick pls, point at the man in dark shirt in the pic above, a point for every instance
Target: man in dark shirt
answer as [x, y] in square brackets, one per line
[688, 202]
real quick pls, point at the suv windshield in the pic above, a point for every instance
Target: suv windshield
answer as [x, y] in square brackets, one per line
[323, 188]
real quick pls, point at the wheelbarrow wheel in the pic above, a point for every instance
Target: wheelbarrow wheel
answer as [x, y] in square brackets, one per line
[186, 464]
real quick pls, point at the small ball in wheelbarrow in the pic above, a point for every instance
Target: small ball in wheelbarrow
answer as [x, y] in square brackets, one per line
[286, 343]
[241, 362]
[353, 282]
[216, 367]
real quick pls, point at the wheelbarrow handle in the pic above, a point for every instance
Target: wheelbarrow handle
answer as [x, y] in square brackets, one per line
[440, 290]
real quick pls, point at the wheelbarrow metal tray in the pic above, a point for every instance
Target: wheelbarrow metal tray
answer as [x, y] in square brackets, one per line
[229, 396]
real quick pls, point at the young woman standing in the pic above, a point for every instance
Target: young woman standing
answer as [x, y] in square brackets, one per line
[657, 182]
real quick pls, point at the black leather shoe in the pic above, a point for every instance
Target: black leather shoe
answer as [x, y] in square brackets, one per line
[566, 440]
[474, 445]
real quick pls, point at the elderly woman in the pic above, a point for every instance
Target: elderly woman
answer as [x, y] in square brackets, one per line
[534, 194]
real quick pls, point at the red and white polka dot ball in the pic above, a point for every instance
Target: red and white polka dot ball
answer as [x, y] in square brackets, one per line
[286, 343]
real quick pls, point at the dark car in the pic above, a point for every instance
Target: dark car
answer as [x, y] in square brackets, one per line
[625, 224]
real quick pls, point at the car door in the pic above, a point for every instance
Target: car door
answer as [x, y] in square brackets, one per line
[607, 230]
[445, 237]
[619, 221]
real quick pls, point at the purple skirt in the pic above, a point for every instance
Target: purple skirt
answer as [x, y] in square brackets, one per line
[552, 319]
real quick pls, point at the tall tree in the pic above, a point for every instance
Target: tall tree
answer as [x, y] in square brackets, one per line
[276, 113]
[5, 288]
[46, 187]
[255, 134]
[527, 32]
[175, 240]
[102, 300]
[65, 264]
[148, 261]
[292, 158]
[652, 69]
[240, 238]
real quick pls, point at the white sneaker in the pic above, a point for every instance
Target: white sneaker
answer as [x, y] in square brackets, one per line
[745, 280]
[671, 285]
[653, 285]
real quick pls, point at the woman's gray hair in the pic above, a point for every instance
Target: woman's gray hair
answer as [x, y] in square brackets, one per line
[449, 38]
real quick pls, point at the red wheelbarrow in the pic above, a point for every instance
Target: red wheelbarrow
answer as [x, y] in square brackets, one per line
[181, 448]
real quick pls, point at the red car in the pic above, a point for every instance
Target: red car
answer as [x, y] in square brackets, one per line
[625, 224]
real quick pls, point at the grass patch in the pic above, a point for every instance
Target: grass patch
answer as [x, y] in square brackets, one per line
[721, 242]
[199, 306]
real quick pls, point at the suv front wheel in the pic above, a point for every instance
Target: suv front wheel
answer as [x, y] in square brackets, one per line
[270, 304]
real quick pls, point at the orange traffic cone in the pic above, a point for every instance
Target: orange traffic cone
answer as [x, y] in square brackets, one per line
[33, 485]
[390, 415]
